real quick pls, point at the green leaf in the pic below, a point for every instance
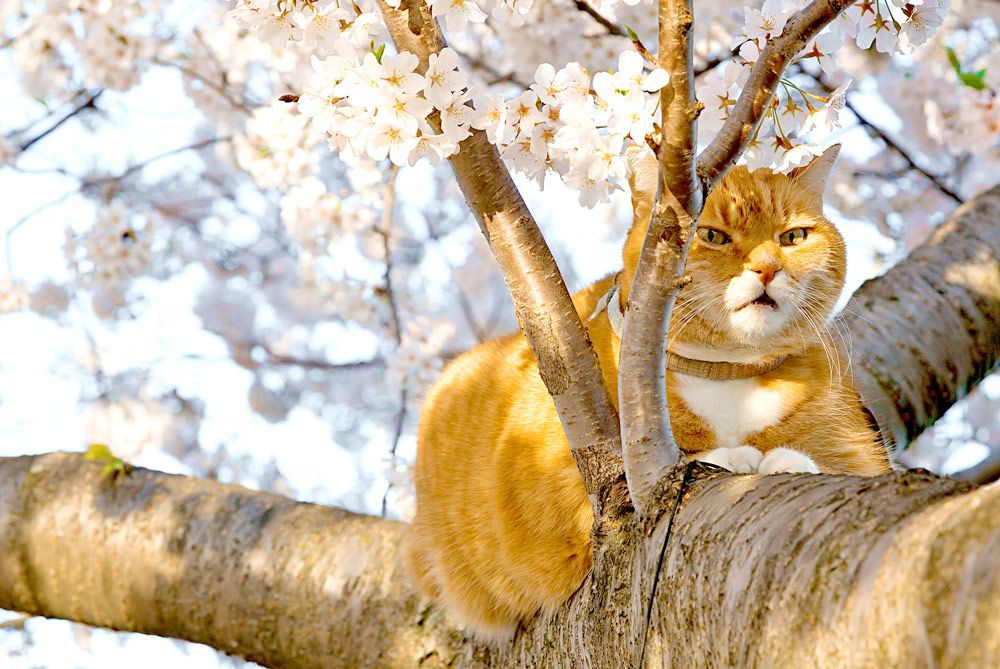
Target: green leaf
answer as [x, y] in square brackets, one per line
[953, 59]
[98, 452]
[378, 52]
[970, 79]
[631, 34]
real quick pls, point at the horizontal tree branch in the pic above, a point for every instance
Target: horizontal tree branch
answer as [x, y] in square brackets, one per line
[758, 568]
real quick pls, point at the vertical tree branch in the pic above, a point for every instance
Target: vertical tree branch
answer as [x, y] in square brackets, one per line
[649, 448]
[566, 359]
[754, 101]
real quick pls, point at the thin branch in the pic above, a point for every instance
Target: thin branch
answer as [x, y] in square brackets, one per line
[612, 29]
[89, 183]
[935, 180]
[88, 104]
[463, 301]
[566, 359]
[389, 293]
[754, 101]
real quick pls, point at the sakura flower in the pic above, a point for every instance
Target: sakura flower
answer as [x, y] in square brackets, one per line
[399, 73]
[320, 107]
[442, 78]
[278, 28]
[433, 147]
[457, 13]
[766, 23]
[322, 27]
[520, 155]
[399, 108]
[361, 28]
[523, 111]
[608, 161]
[791, 153]
[922, 24]
[491, 116]
[456, 117]
[631, 74]
[392, 140]
[823, 49]
[827, 117]
[718, 94]
[633, 116]
[874, 27]
[546, 87]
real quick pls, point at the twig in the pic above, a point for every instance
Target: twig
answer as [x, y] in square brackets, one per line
[884, 136]
[390, 295]
[985, 472]
[94, 182]
[892, 144]
[612, 29]
[89, 104]
[463, 301]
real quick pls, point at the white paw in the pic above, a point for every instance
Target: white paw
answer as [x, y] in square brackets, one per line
[785, 460]
[742, 460]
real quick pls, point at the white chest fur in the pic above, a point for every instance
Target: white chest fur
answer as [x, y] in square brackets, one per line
[732, 409]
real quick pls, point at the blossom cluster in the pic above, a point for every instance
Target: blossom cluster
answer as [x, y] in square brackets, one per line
[110, 254]
[893, 26]
[381, 107]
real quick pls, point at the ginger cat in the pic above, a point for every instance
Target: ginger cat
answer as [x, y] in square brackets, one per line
[502, 526]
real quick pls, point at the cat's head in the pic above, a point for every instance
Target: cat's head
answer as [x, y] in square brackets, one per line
[766, 267]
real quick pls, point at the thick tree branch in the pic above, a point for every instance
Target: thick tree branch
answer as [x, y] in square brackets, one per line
[566, 359]
[809, 562]
[927, 332]
[754, 101]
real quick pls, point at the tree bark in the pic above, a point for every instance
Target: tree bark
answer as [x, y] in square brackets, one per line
[899, 570]
[925, 333]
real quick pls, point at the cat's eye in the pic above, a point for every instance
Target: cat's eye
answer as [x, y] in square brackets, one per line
[712, 236]
[792, 237]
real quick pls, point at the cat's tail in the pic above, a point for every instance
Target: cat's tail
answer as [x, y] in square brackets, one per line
[643, 171]
[642, 181]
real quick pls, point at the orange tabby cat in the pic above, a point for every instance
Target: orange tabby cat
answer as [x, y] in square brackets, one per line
[502, 526]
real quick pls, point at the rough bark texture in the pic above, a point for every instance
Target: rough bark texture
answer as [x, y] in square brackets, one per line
[648, 445]
[787, 570]
[257, 575]
[566, 359]
[925, 333]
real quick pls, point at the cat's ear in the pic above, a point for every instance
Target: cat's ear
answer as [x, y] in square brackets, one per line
[811, 179]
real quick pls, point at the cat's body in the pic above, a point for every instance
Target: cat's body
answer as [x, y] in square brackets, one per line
[503, 521]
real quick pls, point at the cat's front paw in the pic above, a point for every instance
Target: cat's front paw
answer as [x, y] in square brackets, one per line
[787, 461]
[742, 459]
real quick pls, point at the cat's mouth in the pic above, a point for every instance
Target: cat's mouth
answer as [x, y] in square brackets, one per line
[764, 300]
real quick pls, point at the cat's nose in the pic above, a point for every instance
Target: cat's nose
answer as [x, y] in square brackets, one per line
[765, 269]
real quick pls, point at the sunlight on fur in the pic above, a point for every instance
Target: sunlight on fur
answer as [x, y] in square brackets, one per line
[502, 527]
